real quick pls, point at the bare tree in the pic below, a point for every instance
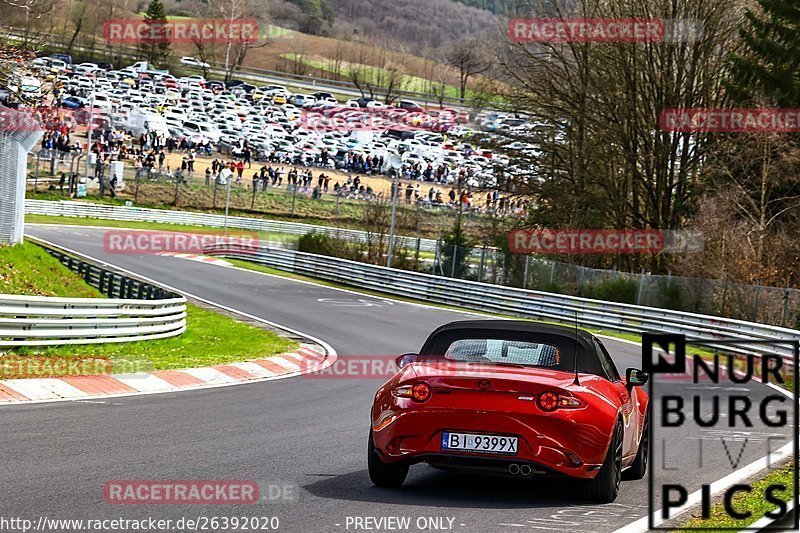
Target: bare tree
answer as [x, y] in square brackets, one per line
[469, 59]
[235, 51]
[359, 73]
[603, 159]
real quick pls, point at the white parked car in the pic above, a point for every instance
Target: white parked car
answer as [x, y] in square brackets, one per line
[85, 68]
[192, 62]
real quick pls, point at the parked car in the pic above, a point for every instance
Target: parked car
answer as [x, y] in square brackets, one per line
[192, 62]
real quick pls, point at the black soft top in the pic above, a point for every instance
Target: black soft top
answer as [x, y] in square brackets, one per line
[564, 337]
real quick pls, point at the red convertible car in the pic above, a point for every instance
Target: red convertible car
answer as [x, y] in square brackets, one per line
[512, 398]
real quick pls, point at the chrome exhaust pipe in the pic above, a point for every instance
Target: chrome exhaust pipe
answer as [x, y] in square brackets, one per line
[513, 469]
[525, 470]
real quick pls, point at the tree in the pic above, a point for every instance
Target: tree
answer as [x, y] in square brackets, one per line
[467, 57]
[456, 249]
[78, 14]
[32, 8]
[602, 159]
[768, 67]
[155, 50]
[359, 73]
[756, 176]
[757, 173]
[235, 51]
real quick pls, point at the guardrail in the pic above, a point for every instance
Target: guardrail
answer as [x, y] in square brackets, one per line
[610, 316]
[134, 311]
[141, 214]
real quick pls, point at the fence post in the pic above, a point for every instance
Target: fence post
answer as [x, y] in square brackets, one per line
[641, 286]
[481, 264]
[503, 271]
[724, 295]
[758, 294]
[785, 313]
[455, 257]
[552, 271]
[214, 201]
[525, 276]
[36, 176]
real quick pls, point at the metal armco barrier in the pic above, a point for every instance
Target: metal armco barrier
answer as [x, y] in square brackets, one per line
[609, 316]
[141, 214]
[134, 311]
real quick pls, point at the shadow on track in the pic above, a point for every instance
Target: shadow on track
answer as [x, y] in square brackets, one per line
[429, 487]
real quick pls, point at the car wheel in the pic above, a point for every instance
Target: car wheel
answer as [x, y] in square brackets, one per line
[382, 474]
[639, 466]
[605, 486]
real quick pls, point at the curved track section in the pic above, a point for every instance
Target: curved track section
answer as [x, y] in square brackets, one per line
[308, 433]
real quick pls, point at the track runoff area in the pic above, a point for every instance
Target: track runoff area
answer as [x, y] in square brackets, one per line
[715, 428]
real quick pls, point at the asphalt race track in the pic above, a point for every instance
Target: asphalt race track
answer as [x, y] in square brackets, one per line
[306, 433]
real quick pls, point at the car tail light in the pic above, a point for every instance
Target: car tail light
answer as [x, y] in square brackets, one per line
[419, 392]
[550, 401]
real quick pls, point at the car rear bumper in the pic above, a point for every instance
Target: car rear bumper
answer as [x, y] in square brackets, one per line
[551, 447]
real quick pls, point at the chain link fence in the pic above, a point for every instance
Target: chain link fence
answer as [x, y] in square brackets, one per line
[778, 306]
[769, 305]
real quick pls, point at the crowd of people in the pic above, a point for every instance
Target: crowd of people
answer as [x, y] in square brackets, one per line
[149, 153]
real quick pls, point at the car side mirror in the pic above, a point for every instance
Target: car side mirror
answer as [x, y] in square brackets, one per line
[635, 377]
[405, 359]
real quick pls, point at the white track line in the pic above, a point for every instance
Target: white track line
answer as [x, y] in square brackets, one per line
[638, 526]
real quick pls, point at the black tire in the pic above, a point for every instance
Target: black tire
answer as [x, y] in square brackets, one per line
[605, 486]
[639, 466]
[382, 474]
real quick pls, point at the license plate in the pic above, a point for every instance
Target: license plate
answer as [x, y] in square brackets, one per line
[471, 442]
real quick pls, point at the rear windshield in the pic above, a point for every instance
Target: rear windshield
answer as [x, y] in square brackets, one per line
[504, 351]
[513, 346]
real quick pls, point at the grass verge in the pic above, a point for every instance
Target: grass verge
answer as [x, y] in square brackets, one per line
[183, 228]
[277, 204]
[747, 501]
[211, 338]
[28, 270]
